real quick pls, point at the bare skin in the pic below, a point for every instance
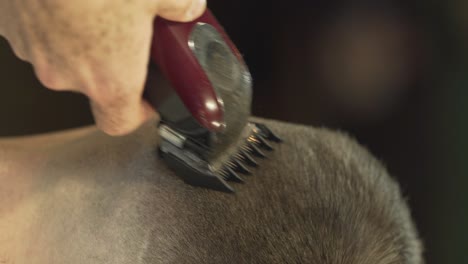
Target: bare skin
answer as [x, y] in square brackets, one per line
[82, 197]
[96, 47]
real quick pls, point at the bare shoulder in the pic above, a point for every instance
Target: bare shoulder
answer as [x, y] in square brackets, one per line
[318, 198]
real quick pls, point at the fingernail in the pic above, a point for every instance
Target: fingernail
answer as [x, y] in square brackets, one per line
[196, 10]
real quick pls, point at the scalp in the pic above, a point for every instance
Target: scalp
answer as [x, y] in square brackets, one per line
[318, 198]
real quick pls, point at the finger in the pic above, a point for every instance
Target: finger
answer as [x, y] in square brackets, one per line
[181, 10]
[120, 115]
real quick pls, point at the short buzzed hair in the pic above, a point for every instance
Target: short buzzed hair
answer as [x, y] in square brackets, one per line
[319, 198]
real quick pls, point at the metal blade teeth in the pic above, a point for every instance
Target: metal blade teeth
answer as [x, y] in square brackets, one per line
[224, 174]
[240, 167]
[256, 151]
[228, 174]
[268, 134]
[263, 143]
[251, 148]
[254, 146]
[248, 159]
[233, 176]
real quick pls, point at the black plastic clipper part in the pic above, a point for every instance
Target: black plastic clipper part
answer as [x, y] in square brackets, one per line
[197, 171]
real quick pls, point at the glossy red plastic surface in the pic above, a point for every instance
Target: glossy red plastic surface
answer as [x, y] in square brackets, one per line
[171, 52]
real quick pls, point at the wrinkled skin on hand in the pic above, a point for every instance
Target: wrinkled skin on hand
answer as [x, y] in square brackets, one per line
[96, 47]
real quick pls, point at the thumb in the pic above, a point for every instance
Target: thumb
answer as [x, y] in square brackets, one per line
[122, 115]
[181, 10]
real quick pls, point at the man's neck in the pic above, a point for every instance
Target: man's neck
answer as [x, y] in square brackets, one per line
[41, 179]
[20, 203]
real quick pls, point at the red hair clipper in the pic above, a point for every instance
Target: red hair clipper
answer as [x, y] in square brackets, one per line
[206, 137]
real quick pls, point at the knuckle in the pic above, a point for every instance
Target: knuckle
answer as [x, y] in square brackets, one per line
[50, 79]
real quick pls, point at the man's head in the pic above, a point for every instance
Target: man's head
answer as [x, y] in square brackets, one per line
[318, 198]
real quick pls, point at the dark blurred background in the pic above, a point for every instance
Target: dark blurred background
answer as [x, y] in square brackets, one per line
[393, 74]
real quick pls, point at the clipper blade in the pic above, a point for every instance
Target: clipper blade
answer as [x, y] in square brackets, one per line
[255, 141]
